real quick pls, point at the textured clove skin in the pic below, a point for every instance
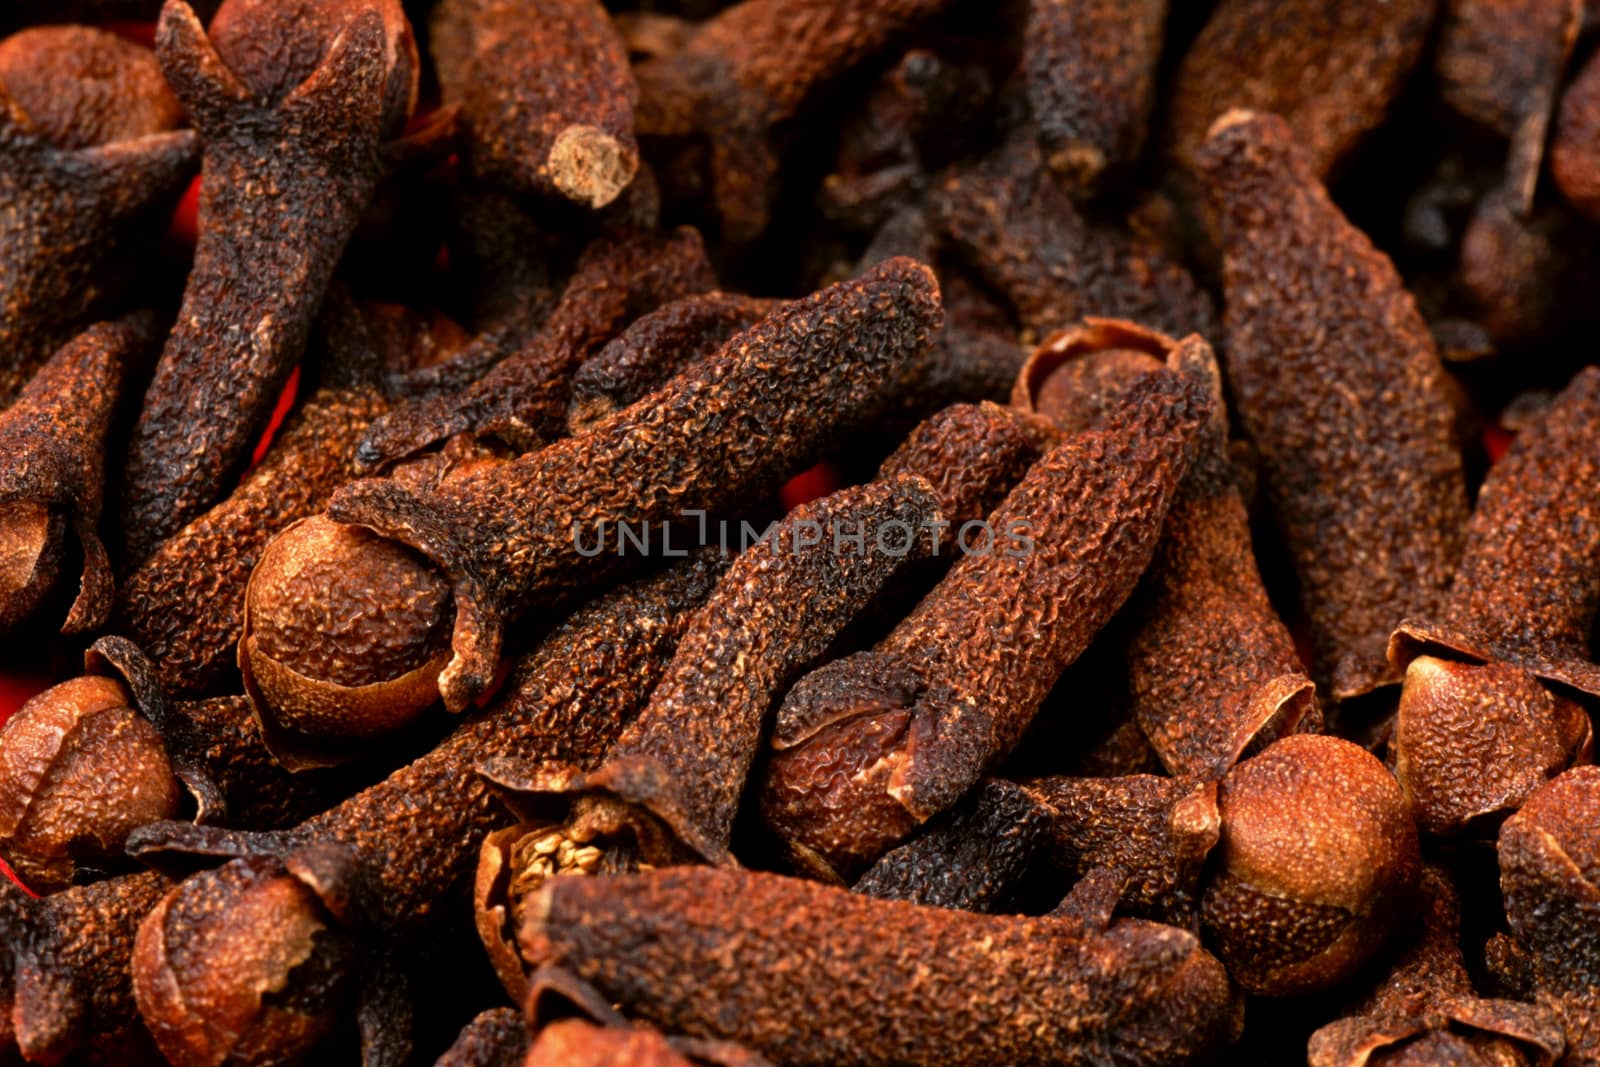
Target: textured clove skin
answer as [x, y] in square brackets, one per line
[1212, 670]
[871, 982]
[494, 1038]
[64, 989]
[766, 406]
[1423, 1009]
[1371, 504]
[523, 398]
[747, 70]
[1015, 225]
[293, 102]
[88, 154]
[1550, 880]
[1089, 72]
[1329, 70]
[53, 443]
[545, 92]
[1473, 739]
[1575, 145]
[869, 747]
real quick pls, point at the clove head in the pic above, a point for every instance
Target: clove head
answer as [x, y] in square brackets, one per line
[80, 769]
[1473, 741]
[82, 87]
[241, 964]
[1550, 878]
[345, 633]
[1317, 865]
[32, 535]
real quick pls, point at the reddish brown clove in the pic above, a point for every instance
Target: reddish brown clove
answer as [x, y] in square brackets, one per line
[1550, 880]
[89, 154]
[1575, 146]
[52, 472]
[1371, 503]
[494, 1038]
[1424, 1010]
[1329, 70]
[1089, 70]
[545, 92]
[878, 982]
[293, 102]
[870, 746]
[746, 71]
[1473, 739]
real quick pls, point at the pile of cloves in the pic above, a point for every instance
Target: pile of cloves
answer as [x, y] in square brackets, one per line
[846, 533]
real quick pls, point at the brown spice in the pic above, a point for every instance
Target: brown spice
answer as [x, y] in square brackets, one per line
[494, 1038]
[1575, 145]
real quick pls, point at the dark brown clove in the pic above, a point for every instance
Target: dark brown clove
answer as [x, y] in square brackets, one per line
[763, 408]
[1372, 503]
[494, 1038]
[89, 151]
[1089, 70]
[870, 746]
[1575, 145]
[1330, 71]
[293, 103]
[53, 450]
[545, 92]
[1498, 680]
[878, 982]
[1423, 1010]
[1550, 880]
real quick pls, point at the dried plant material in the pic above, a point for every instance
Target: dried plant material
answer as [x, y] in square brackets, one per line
[1473, 739]
[53, 447]
[972, 456]
[401, 845]
[293, 102]
[977, 858]
[656, 347]
[509, 537]
[1371, 500]
[79, 769]
[1575, 146]
[1017, 228]
[1329, 70]
[869, 747]
[748, 70]
[1075, 378]
[545, 92]
[523, 398]
[1089, 70]
[65, 994]
[494, 1038]
[1550, 880]
[878, 982]
[1520, 270]
[89, 155]
[1423, 1010]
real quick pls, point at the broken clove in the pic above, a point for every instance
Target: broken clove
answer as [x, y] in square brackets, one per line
[1497, 682]
[1371, 504]
[53, 441]
[545, 93]
[293, 103]
[868, 747]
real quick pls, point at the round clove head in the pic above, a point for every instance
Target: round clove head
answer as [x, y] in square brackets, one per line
[273, 46]
[1550, 878]
[241, 964]
[345, 633]
[82, 87]
[1317, 865]
[80, 769]
[32, 535]
[1473, 741]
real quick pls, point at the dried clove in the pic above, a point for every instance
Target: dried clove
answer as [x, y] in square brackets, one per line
[293, 103]
[53, 441]
[1550, 880]
[1330, 72]
[1575, 144]
[763, 408]
[1371, 504]
[545, 93]
[1423, 1009]
[90, 153]
[1089, 71]
[1497, 683]
[494, 1038]
[665, 946]
[870, 746]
